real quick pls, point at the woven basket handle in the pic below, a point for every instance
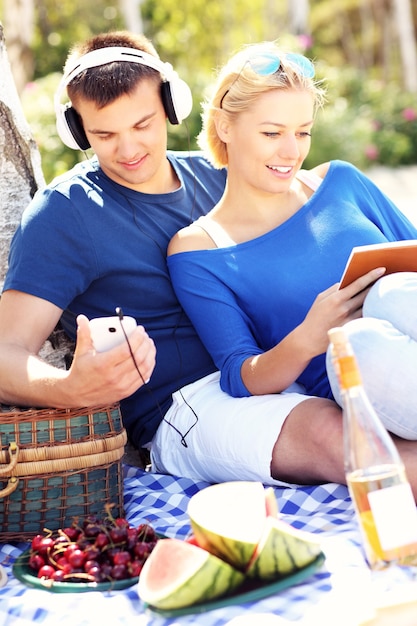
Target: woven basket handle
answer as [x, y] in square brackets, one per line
[13, 480]
[11, 486]
[14, 454]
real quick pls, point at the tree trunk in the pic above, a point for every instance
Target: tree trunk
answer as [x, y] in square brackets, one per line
[131, 12]
[405, 28]
[19, 26]
[20, 162]
[20, 176]
[298, 16]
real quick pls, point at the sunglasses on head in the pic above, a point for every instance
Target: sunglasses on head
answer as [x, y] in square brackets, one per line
[268, 63]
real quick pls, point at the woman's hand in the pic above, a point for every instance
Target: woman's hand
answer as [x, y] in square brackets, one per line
[277, 368]
[335, 307]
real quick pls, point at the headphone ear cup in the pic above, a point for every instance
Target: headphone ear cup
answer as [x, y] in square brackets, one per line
[177, 100]
[70, 128]
[76, 128]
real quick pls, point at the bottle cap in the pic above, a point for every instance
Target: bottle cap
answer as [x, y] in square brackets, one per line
[344, 360]
[337, 336]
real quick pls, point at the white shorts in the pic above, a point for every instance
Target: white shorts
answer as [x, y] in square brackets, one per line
[211, 436]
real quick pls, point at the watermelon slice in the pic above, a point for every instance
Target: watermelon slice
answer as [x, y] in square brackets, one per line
[282, 550]
[178, 574]
[228, 519]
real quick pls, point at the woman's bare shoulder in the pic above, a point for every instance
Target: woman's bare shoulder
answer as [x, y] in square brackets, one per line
[321, 170]
[190, 238]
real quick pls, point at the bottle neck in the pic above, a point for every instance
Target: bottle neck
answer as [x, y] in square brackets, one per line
[349, 375]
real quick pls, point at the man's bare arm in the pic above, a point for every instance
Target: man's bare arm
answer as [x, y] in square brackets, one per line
[94, 378]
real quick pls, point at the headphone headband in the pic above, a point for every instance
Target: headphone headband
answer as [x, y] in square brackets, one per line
[111, 54]
[175, 93]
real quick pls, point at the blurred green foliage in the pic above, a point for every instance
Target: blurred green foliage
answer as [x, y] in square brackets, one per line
[366, 122]
[368, 118]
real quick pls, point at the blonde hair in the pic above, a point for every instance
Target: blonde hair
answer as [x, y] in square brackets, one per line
[238, 86]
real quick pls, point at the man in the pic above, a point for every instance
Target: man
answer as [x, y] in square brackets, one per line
[87, 240]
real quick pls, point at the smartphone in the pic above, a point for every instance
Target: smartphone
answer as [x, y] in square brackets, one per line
[107, 332]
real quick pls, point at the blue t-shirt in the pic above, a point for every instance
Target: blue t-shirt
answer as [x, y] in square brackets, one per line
[89, 245]
[245, 298]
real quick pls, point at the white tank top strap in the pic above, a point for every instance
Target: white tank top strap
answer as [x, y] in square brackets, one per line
[215, 232]
[310, 179]
[219, 235]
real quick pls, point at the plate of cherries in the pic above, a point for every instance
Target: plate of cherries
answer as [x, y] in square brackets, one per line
[94, 555]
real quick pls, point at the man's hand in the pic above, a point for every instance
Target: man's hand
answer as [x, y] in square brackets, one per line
[104, 377]
[94, 378]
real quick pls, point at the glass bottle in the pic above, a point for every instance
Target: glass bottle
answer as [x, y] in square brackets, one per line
[375, 474]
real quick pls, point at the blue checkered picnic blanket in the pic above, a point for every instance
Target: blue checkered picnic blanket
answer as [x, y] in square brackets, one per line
[162, 500]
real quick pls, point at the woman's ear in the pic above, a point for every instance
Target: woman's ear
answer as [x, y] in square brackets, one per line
[223, 126]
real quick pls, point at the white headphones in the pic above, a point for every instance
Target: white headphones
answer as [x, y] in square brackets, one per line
[175, 93]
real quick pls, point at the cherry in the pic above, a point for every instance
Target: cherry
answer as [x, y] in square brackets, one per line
[106, 570]
[92, 553]
[61, 562]
[118, 534]
[146, 533]
[36, 542]
[36, 561]
[83, 542]
[90, 519]
[67, 569]
[71, 548]
[58, 576]
[102, 540]
[45, 545]
[88, 565]
[141, 550]
[72, 533]
[92, 530]
[121, 522]
[135, 568]
[119, 572]
[61, 539]
[111, 552]
[96, 574]
[122, 558]
[46, 571]
[77, 558]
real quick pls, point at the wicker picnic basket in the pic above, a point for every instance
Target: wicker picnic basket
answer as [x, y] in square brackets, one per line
[58, 464]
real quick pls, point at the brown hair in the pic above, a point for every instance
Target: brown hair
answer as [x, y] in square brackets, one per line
[106, 83]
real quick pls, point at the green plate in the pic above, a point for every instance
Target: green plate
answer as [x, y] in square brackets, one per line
[247, 593]
[24, 573]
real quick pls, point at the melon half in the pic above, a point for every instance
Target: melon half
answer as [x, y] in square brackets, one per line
[237, 521]
[178, 574]
[228, 519]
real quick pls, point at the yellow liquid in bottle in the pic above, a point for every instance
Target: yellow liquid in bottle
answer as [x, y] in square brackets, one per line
[401, 542]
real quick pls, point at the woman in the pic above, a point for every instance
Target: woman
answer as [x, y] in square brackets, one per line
[258, 276]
